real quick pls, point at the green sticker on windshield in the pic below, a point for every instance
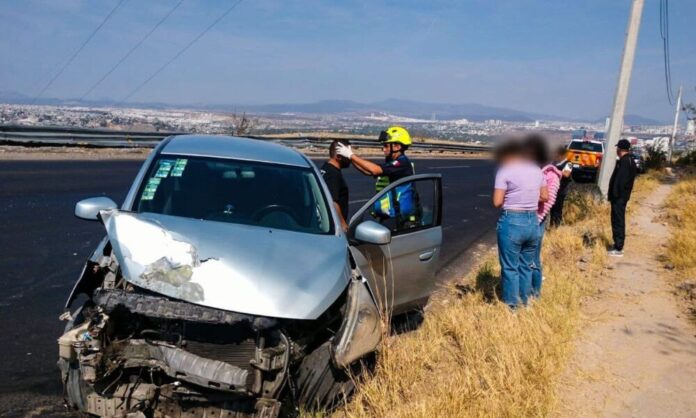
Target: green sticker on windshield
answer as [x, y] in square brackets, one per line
[179, 167]
[147, 196]
[151, 188]
[164, 168]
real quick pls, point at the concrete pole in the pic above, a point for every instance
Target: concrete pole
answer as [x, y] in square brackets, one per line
[674, 128]
[617, 115]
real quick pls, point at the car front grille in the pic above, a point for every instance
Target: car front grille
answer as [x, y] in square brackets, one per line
[237, 354]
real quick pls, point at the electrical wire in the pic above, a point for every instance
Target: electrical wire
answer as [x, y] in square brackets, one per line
[77, 52]
[664, 34]
[180, 52]
[136, 46]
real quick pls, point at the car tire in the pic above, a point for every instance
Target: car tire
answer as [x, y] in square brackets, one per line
[76, 390]
[320, 385]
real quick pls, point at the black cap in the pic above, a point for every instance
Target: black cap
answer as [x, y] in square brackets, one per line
[624, 144]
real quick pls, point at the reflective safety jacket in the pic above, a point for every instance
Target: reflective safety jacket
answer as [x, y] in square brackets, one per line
[402, 201]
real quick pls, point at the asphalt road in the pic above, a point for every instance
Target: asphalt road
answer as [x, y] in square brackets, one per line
[43, 247]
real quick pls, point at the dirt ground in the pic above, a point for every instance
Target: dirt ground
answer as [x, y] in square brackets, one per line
[637, 356]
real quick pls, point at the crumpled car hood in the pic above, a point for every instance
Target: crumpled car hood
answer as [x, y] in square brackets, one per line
[240, 268]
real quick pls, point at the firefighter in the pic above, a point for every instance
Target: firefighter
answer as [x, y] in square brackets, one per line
[402, 203]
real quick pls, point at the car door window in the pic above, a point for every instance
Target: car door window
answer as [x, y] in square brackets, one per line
[405, 207]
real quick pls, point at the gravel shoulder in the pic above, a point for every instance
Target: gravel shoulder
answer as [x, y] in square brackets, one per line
[637, 356]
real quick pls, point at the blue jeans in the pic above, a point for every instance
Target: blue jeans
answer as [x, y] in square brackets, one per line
[518, 239]
[537, 275]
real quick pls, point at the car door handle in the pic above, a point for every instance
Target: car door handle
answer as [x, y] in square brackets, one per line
[426, 255]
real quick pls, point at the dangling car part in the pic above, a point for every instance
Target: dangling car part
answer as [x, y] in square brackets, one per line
[226, 287]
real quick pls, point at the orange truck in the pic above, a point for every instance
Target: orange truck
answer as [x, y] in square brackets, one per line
[585, 156]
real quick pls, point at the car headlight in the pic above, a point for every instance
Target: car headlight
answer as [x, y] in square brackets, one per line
[361, 330]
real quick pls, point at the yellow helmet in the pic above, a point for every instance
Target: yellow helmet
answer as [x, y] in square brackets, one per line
[395, 135]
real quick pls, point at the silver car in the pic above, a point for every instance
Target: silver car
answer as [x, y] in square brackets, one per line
[226, 287]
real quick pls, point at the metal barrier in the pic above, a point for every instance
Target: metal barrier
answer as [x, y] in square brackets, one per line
[80, 137]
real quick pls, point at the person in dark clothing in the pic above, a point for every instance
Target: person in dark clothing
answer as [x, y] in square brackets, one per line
[620, 188]
[333, 176]
[566, 169]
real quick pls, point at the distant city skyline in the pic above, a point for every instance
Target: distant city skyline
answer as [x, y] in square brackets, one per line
[535, 56]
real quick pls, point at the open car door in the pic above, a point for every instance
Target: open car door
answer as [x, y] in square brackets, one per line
[396, 238]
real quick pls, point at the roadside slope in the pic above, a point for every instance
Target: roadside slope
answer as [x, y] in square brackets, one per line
[472, 356]
[638, 356]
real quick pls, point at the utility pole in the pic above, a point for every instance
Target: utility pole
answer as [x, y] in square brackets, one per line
[617, 115]
[674, 128]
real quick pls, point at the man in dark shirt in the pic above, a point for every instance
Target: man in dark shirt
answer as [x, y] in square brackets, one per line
[620, 188]
[331, 170]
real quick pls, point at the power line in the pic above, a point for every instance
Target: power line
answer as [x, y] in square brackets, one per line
[664, 34]
[181, 51]
[136, 46]
[76, 53]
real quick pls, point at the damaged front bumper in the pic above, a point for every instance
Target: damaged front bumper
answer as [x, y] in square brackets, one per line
[136, 351]
[133, 349]
[174, 401]
[181, 356]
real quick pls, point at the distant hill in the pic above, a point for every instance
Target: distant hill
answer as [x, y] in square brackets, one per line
[407, 108]
[637, 120]
[640, 120]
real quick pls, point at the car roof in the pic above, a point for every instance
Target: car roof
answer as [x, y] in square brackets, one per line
[233, 147]
[594, 141]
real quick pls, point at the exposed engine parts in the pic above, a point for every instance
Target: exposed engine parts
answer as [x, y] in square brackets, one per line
[128, 351]
[159, 307]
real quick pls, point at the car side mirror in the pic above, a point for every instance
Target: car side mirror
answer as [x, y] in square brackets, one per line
[89, 209]
[372, 233]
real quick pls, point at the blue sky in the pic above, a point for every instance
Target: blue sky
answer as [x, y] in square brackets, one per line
[558, 57]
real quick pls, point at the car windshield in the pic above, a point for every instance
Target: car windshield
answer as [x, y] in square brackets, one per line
[585, 146]
[241, 192]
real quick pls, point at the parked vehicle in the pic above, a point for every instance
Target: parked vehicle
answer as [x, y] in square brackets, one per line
[586, 156]
[226, 287]
[578, 134]
[639, 159]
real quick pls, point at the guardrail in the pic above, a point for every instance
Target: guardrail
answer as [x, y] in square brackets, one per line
[81, 137]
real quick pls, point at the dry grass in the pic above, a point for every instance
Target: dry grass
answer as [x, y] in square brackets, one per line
[647, 183]
[680, 209]
[472, 356]
[680, 212]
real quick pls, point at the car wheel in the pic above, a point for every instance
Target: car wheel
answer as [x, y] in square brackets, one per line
[320, 385]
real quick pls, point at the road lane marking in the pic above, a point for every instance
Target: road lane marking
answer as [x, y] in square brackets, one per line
[444, 167]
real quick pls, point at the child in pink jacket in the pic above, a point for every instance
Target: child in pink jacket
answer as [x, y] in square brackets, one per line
[538, 151]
